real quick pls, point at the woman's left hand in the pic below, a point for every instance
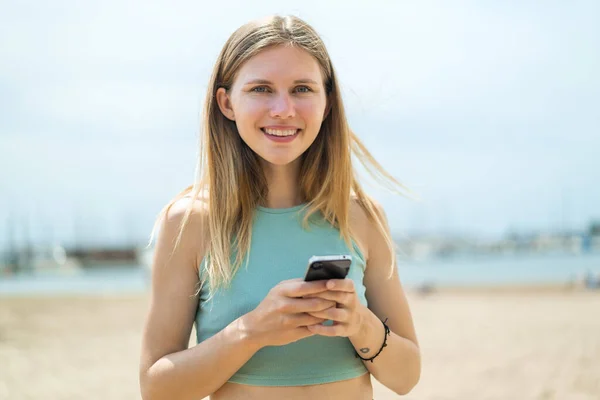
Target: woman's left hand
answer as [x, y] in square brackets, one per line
[347, 316]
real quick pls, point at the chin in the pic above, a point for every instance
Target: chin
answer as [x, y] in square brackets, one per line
[280, 160]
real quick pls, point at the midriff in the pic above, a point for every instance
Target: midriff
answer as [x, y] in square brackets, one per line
[359, 388]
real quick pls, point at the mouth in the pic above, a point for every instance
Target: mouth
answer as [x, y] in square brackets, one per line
[281, 135]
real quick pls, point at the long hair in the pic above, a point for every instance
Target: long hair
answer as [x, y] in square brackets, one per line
[230, 176]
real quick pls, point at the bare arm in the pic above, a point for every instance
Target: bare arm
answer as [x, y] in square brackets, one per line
[201, 370]
[168, 369]
[398, 366]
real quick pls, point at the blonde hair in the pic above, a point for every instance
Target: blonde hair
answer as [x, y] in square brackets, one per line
[230, 175]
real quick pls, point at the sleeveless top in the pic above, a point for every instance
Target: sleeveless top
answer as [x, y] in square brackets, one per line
[279, 250]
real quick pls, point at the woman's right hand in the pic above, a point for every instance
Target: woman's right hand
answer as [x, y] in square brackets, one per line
[281, 317]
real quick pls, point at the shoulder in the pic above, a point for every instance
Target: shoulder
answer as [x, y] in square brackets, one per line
[195, 234]
[198, 206]
[175, 214]
[364, 228]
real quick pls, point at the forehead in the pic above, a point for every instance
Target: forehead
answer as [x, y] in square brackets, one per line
[280, 63]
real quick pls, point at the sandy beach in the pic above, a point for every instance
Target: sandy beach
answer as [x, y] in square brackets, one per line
[476, 344]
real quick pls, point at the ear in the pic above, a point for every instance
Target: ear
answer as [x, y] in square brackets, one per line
[224, 103]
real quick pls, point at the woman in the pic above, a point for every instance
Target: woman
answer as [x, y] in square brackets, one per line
[276, 187]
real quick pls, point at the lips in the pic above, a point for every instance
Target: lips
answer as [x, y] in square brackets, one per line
[280, 132]
[281, 135]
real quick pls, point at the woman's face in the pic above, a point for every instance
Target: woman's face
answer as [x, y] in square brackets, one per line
[278, 103]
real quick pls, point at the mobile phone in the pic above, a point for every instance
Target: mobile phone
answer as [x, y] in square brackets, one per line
[328, 267]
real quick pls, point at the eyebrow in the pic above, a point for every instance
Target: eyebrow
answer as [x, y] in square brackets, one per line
[266, 82]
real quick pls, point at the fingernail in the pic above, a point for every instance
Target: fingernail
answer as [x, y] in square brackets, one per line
[330, 284]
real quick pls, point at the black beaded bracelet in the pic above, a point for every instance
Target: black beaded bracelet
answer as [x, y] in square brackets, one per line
[385, 335]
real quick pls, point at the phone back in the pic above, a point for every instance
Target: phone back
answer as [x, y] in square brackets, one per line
[330, 269]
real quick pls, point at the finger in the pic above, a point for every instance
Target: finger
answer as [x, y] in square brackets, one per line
[299, 288]
[340, 285]
[302, 332]
[304, 319]
[343, 298]
[327, 330]
[294, 306]
[334, 314]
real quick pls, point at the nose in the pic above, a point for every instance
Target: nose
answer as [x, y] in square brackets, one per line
[282, 107]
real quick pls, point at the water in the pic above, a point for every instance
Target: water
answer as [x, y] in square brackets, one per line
[507, 270]
[114, 279]
[500, 270]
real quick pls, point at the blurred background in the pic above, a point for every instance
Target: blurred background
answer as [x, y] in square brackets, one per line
[489, 111]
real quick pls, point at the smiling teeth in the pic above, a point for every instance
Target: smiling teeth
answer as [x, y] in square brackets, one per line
[279, 132]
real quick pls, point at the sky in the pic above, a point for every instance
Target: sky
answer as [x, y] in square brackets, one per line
[489, 111]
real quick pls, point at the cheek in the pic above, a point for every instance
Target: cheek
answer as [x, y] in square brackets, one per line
[248, 110]
[312, 112]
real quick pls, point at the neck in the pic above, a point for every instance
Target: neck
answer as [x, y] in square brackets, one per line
[282, 183]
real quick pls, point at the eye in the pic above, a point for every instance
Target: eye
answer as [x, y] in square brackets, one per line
[303, 89]
[260, 89]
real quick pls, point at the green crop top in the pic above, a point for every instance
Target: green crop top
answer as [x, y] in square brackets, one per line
[280, 249]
